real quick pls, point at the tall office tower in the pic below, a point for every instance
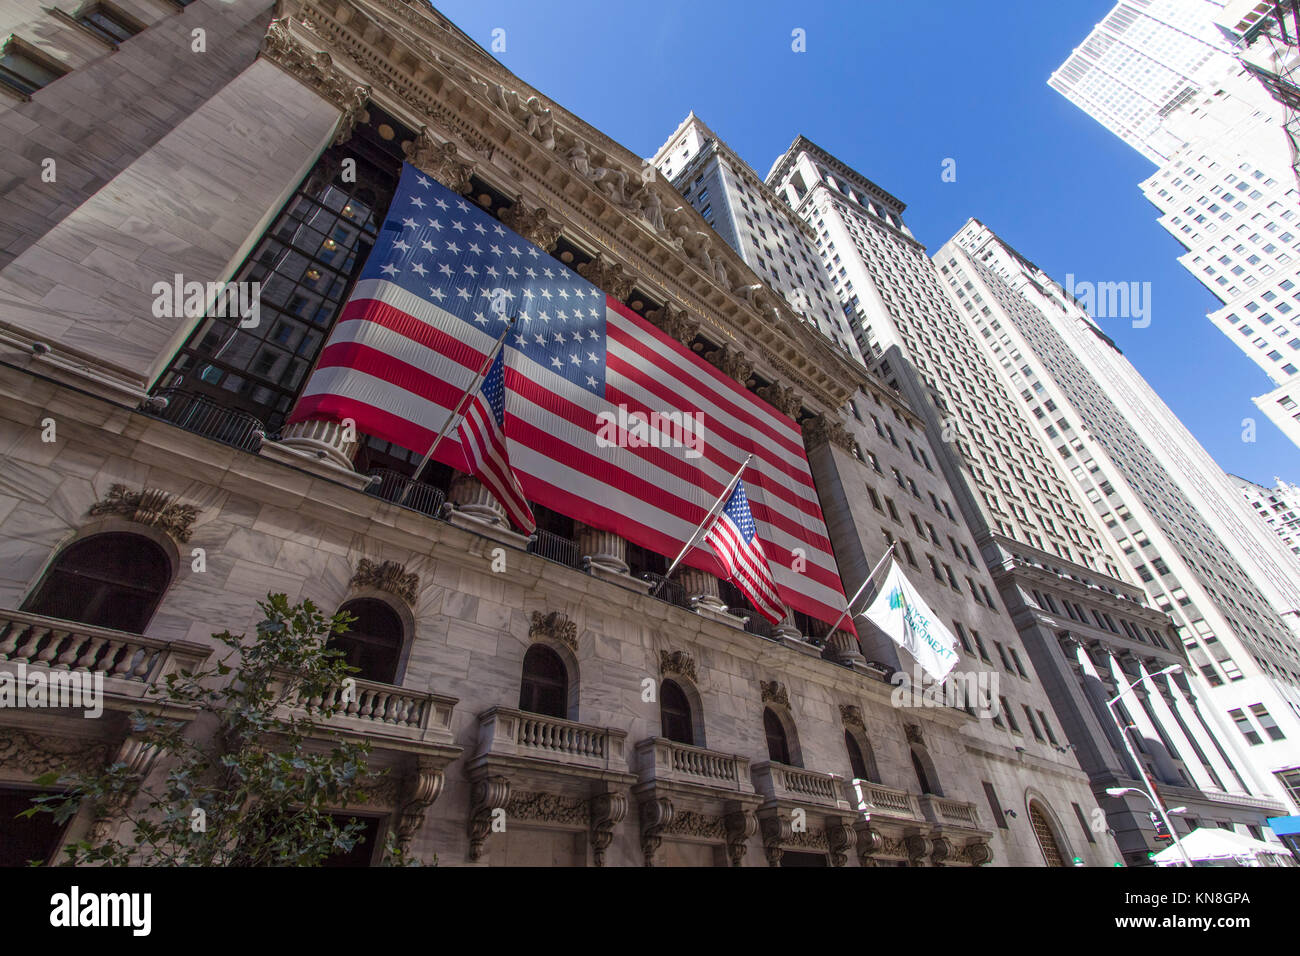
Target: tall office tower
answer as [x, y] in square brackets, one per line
[743, 210]
[1166, 506]
[1162, 76]
[1089, 632]
[499, 673]
[1278, 507]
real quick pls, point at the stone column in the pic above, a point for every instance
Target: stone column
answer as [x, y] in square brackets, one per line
[602, 549]
[787, 628]
[1174, 729]
[1185, 706]
[702, 590]
[1094, 688]
[842, 647]
[327, 440]
[1154, 743]
[471, 498]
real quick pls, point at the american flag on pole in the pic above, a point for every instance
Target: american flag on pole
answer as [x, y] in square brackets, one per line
[424, 315]
[482, 435]
[734, 538]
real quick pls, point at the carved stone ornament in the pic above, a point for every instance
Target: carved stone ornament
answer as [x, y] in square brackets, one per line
[678, 662]
[388, 576]
[942, 850]
[487, 795]
[150, 506]
[693, 824]
[851, 715]
[37, 754]
[976, 854]
[731, 362]
[548, 808]
[534, 224]
[607, 811]
[557, 627]
[818, 430]
[774, 692]
[741, 825]
[782, 398]
[917, 847]
[840, 840]
[314, 68]
[419, 790]
[440, 160]
[656, 815]
[607, 276]
[913, 732]
[675, 323]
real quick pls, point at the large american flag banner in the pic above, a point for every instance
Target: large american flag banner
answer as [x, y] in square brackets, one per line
[443, 277]
[734, 539]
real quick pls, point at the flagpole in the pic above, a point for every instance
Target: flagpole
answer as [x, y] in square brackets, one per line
[707, 518]
[456, 414]
[848, 607]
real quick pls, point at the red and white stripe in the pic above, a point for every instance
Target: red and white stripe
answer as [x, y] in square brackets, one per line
[747, 567]
[396, 364]
[489, 462]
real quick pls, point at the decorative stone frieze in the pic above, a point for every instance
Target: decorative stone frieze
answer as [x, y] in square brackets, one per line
[774, 692]
[976, 854]
[818, 430]
[36, 753]
[149, 506]
[315, 68]
[555, 626]
[783, 398]
[731, 362]
[387, 576]
[533, 223]
[548, 808]
[675, 323]
[678, 662]
[607, 276]
[851, 715]
[440, 160]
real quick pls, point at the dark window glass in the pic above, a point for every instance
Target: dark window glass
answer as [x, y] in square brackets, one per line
[545, 686]
[675, 714]
[373, 642]
[24, 73]
[24, 839]
[864, 766]
[363, 851]
[306, 263]
[778, 748]
[921, 776]
[105, 25]
[107, 580]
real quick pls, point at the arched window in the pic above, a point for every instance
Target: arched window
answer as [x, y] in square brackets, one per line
[675, 714]
[778, 747]
[115, 579]
[374, 640]
[545, 685]
[1046, 835]
[862, 763]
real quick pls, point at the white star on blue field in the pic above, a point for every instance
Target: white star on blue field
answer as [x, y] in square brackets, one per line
[450, 252]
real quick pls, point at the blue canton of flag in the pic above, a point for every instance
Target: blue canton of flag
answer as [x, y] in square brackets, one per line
[450, 253]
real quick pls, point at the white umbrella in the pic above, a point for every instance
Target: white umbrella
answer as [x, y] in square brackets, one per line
[1213, 845]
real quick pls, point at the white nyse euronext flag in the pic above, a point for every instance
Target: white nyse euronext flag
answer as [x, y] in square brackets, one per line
[900, 612]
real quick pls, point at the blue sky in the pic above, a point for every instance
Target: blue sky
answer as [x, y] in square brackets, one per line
[894, 88]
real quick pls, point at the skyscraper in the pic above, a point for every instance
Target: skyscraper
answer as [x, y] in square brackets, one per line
[1163, 502]
[1278, 507]
[1162, 76]
[1087, 629]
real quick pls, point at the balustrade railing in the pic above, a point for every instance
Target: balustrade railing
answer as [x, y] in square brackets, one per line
[204, 416]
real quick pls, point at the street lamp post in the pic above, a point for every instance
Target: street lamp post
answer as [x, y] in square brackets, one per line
[1149, 791]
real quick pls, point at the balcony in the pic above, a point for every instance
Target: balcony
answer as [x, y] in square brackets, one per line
[541, 742]
[671, 592]
[878, 801]
[389, 717]
[204, 416]
[132, 665]
[945, 812]
[794, 785]
[554, 547]
[662, 761]
[400, 490]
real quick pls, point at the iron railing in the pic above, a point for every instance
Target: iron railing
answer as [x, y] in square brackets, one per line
[670, 591]
[555, 548]
[397, 488]
[207, 417]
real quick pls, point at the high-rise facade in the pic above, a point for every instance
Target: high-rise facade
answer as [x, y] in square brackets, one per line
[741, 208]
[1278, 507]
[1164, 504]
[1087, 629]
[1162, 76]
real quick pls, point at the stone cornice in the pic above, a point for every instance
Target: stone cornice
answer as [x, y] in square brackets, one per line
[429, 74]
